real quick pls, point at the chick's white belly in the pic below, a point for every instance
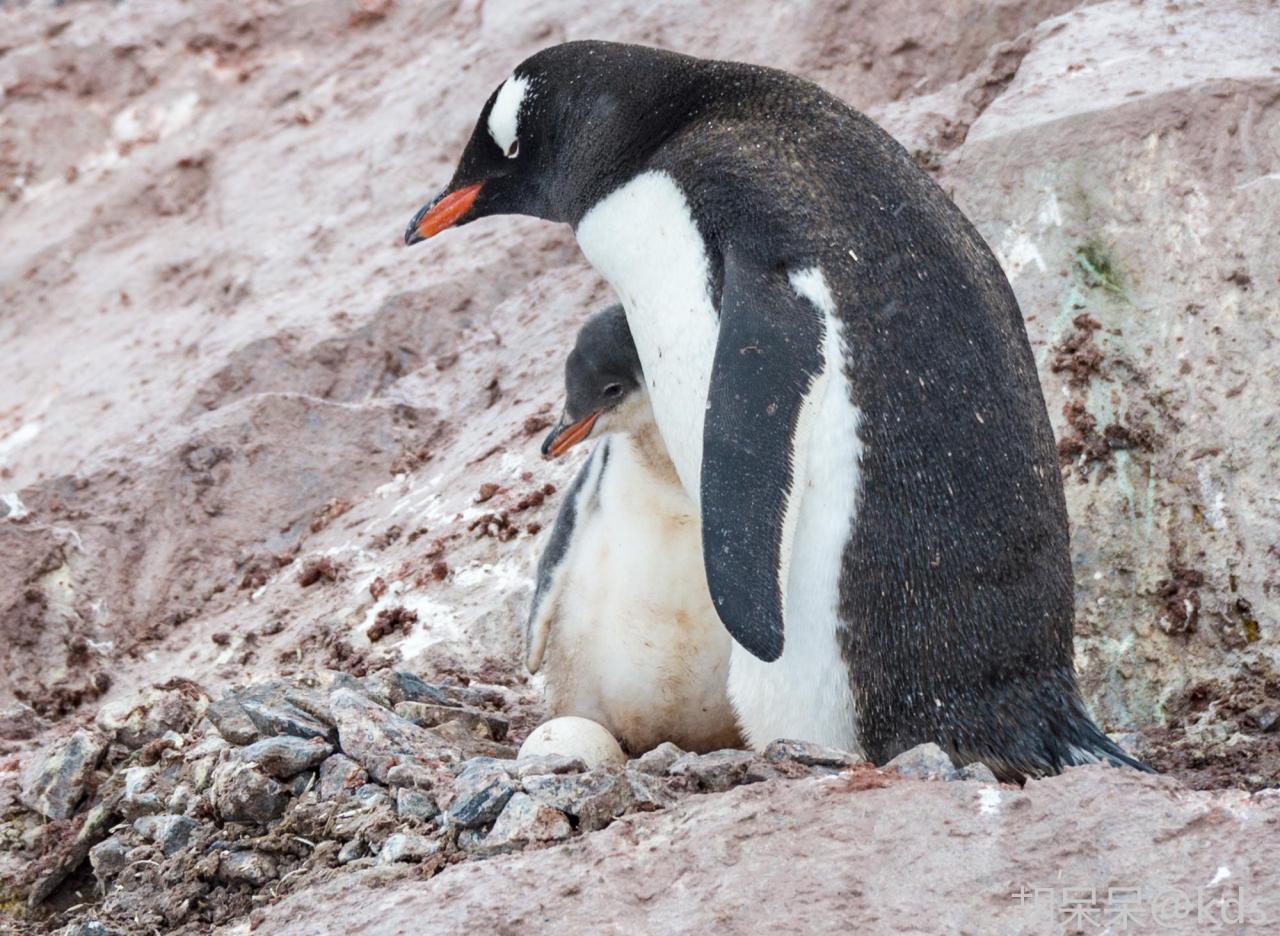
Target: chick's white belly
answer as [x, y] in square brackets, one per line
[636, 644]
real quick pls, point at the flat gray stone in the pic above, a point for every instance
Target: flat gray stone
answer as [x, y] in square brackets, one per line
[411, 803]
[18, 722]
[977, 771]
[172, 833]
[379, 739]
[247, 867]
[284, 718]
[720, 770]
[351, 851]
[241, 793]
[407, 846]
[181, 800]
[287, 756]
[506, 764]
[142, 792]
[411, 775]
[809, 755]
[539, 765]
[88, 928]
[57, 787]
[649, 792]
[658, 760]
[340, 776]
[302, 783]
[479, 796]
[311, 701]
[107, 858]
[232, 721]
[612, 796]
[163, 711]
[924, 762]
[524, 821]
[371, 794]
[407, 687]
[428, 715]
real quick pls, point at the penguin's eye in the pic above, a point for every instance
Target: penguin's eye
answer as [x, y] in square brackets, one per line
[613, 390]
[514, 149]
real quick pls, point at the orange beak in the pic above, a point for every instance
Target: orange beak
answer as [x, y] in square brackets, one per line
[560, 440]
[446, 210]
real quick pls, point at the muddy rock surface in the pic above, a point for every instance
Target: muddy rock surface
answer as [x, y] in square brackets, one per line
[189, 830]
[271, 497]
[810, 856]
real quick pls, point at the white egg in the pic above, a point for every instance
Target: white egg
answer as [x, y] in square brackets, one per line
[572, 736]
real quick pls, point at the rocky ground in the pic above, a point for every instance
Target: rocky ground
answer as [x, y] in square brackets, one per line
[270, 493]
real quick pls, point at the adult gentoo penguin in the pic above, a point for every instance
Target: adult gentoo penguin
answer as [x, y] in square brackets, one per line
[622, 623]
[841, 375]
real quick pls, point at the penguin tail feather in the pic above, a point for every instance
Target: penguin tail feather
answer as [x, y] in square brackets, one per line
[1096, 748]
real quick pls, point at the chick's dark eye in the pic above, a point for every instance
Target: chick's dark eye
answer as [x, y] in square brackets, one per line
[613, 390]
[513, 150]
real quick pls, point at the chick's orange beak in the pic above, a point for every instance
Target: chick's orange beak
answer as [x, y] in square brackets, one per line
[562, 437]
[444, 211]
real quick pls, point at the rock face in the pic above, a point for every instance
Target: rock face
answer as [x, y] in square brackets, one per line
[1121, 184]
[242, 432]
[204, 816]
[830, 852]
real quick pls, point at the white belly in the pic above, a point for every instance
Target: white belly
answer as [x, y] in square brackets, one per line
[806, 693]
[643, 240]
[636, 644]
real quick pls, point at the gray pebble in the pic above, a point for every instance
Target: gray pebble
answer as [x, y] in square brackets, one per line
[340, 776]
[232, 721]
[415, 804]
[539, 765]
[172, 833]
[379, 739]
[479, 796]
[406, 687]
[247, 867]
[924, 762]
[88, 928]
[56, 788]
[809, 754]
[107, 858]
[283, 718]
[242, 794]
[524, 820]
[141, 792]
[371, 795]
[429, 715]
[351, 851]
[411, 775]
[284, 757]
[719, 770]
[976, 771]
[659, 760]
[407, 846]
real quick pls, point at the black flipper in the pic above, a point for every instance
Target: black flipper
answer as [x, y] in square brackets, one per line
[769, 351]
[578, 499]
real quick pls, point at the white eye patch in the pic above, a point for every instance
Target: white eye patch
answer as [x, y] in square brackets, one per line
[505, 115]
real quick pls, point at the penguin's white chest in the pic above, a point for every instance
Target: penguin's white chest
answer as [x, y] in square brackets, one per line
[644, 241]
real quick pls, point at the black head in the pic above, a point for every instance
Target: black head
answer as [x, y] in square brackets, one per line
[562, 130]
[603, 383]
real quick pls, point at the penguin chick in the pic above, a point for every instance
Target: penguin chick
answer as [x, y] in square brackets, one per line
[622, 626]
